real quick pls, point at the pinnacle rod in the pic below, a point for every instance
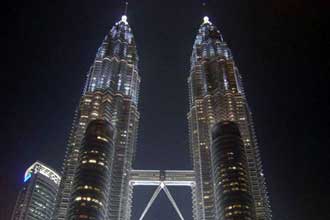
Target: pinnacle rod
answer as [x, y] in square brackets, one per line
[126, 7]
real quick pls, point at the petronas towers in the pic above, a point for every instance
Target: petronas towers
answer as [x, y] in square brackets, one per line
[110, 99]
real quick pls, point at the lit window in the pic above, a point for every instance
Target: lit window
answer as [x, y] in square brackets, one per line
[102, 138]
[95, 114]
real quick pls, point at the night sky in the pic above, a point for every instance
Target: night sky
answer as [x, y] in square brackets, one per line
[281, 48]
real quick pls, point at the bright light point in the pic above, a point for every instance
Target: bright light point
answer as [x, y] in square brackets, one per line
[27, 177]
[124, 18]
[206, 19]
[162, 185]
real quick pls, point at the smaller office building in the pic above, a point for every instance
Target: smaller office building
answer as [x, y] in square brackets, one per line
[36, 200]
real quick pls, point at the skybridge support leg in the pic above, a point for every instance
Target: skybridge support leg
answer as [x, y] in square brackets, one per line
[162, 186]
[169, 196]
[154, 196]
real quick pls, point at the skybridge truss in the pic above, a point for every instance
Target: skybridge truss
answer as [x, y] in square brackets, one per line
[162, 179]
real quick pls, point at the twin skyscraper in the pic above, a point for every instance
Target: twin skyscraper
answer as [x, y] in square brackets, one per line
[227, 180]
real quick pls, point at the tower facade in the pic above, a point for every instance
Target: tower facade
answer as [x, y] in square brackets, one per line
[111, 94]
[91, 188]
[216, 94]
[232, 188]
[36, 200]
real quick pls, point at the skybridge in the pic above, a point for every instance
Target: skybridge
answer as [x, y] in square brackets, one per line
[162, 179]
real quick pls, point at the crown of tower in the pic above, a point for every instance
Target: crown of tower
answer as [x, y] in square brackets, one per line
[206, 20]
[208, 42]
[124, 19]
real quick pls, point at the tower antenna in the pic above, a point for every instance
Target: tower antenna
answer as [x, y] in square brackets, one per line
[126, 6]
[205, 14]
[204, 8]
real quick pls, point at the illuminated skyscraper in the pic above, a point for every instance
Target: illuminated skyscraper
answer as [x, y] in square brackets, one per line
[110, 93]
[216, 94]
[36, 200]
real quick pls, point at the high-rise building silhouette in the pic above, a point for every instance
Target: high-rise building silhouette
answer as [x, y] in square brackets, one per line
[216, 94]
[232, 187]
[110, 93]
[36, 199]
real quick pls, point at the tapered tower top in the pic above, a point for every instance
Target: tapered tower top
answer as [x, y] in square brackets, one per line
[208, 42]
[119, 45]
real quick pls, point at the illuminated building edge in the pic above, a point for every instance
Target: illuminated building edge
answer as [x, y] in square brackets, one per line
[36, 199]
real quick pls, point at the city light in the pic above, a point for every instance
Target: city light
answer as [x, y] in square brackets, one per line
[27, 177]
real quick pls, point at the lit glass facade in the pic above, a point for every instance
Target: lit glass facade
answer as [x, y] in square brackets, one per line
[232, 187]
[91, 188]
[36, 200]
[216, 94]
[110, 93]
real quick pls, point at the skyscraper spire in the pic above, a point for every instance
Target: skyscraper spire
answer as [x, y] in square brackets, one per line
[124, 16]
[204, 8]
[204, 3]
[126, 7]
[205, 14]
